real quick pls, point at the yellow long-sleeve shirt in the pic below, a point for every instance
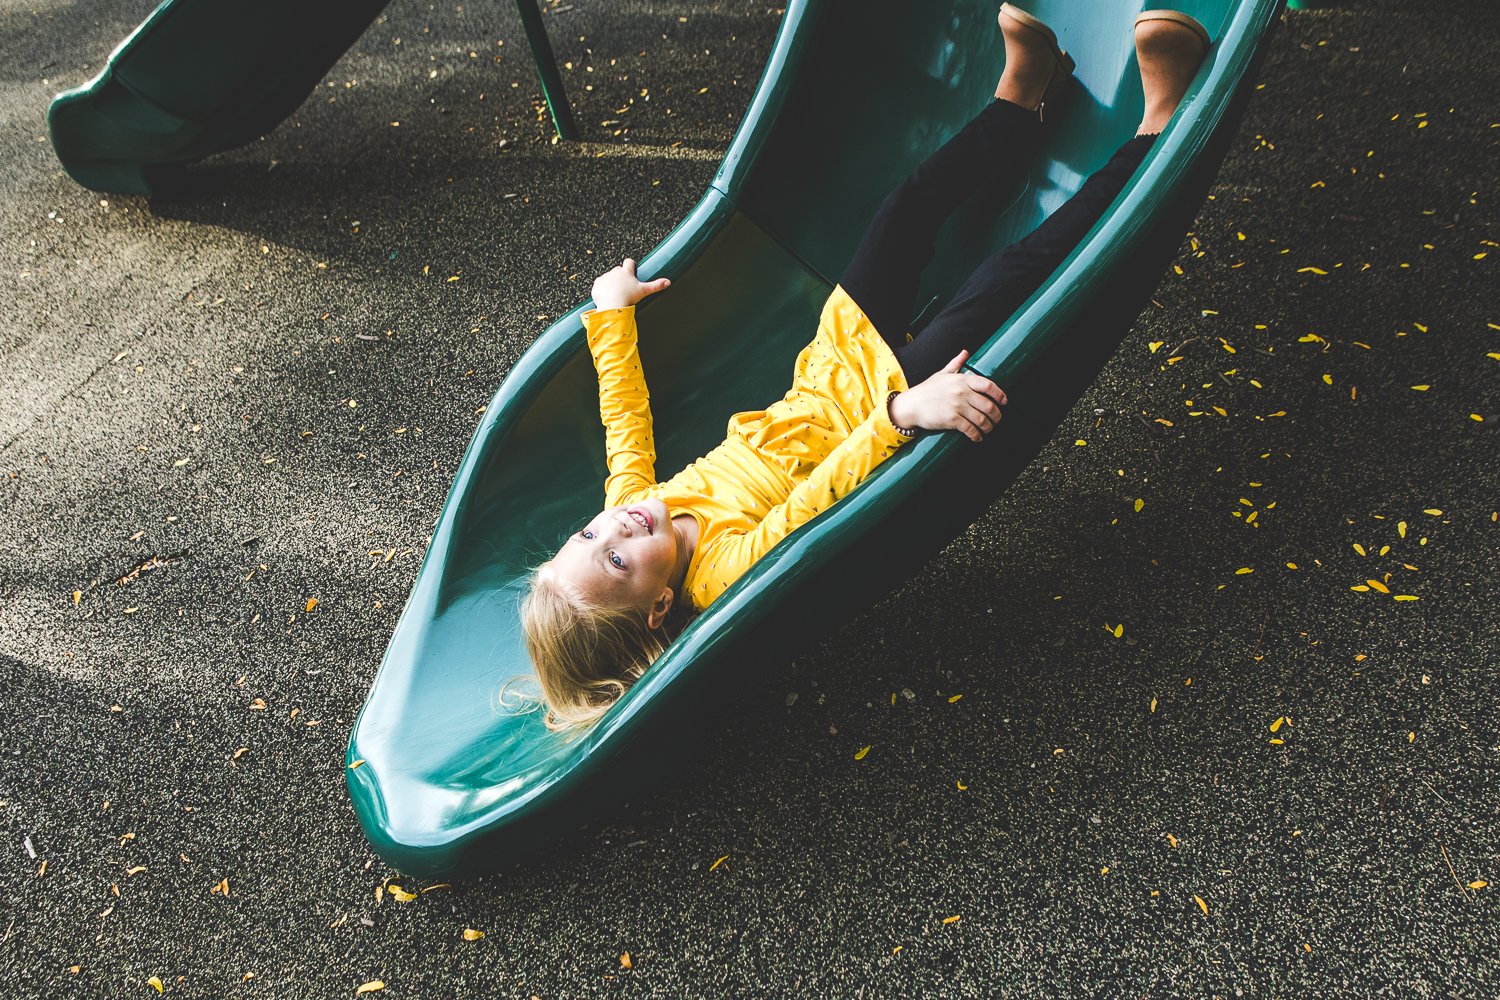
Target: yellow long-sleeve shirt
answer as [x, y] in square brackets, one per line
[777, 468]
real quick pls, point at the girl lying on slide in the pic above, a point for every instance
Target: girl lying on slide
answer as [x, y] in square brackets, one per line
[622, 588]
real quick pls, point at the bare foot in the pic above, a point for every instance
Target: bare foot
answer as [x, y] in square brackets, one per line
[1030, 61]
[1169, 54]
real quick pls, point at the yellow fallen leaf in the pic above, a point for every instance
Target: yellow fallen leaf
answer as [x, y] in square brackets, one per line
[961, 786]
[1274, 741]
[1300, 270]
[1435, 512]
[401, 894]
[154, 983]
[1291, 565]
[1278, 723]
[1201, 904]
[1119, 630]
[1153, 703]
[860, 755]
[370, 987]
[470, 934]
[1243, 570]
[354, 765]
[1411, 737]
[625, 962]
[1139, 503]
[1422, 388]
[77, 596]
[1080, 442]
[718, 863]
[1401, 528]
[954, 698]
[1405, 597]
[1478, 884]
[952, 919]
[1359, 548]
[1171, 840]
[1377, 585]
[1156, 345]
[312, 602]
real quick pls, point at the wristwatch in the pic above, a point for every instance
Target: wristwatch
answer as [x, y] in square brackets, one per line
[899, 430]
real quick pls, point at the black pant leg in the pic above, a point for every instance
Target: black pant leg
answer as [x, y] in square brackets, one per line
[1007, 278]
[994, 147]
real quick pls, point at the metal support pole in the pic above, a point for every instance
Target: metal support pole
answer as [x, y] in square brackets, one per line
[546, 68]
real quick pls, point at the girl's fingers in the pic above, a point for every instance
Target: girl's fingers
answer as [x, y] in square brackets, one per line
[957, 362]
[981, 418]
[981, 384]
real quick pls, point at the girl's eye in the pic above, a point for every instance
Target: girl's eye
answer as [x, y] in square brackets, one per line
[614, 558]
[586, 533]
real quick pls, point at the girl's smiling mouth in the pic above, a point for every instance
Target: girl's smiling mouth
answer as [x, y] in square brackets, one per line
[642, 518]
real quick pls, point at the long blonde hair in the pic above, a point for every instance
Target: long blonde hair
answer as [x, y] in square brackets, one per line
[587, 655]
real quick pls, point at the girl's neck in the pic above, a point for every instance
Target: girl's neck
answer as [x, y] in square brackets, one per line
[685, 527]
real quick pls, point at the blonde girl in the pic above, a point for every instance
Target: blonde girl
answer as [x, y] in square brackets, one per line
[625, 584]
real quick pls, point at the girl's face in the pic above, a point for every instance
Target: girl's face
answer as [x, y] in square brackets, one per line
[625, 557]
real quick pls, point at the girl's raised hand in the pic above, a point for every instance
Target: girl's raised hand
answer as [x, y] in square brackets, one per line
[951, 399]
[619, 287]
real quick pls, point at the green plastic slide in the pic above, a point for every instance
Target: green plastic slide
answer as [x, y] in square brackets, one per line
[446, 781]
[201, 76]
[196, 78]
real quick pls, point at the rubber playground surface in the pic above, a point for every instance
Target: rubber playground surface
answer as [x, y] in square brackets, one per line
[1205, 705]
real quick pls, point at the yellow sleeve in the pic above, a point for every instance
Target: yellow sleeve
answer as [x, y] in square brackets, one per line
[624, 404]
[735, 551]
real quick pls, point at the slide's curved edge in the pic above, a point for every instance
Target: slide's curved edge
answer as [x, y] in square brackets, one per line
[196, 77]
[1180, 166]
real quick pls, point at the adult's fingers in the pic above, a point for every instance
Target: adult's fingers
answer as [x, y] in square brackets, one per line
[957, 362]
[629, 265]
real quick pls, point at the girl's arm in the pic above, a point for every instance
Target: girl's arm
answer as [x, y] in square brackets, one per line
[950, 399]
[734, 552]
[624, 403]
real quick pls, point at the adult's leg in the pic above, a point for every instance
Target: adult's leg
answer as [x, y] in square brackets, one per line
[1007, 278]
[994, 147]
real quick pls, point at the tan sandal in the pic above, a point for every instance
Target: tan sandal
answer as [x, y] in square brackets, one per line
[1063, 64]
[1177, 16]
